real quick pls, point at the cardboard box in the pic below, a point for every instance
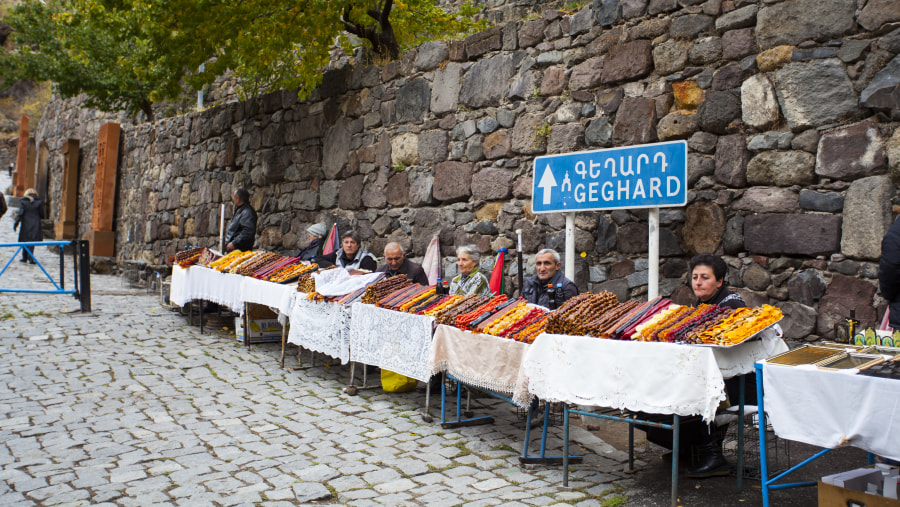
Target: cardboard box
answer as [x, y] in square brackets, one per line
[849, 489]
[836, 496]
[261, 330]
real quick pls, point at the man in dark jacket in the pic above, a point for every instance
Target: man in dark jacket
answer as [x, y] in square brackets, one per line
[537, 288]
[889, 272]
[241, 232]
[396, 263]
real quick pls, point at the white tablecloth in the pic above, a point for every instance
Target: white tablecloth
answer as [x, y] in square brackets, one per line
[178, 287]
[198, 282]
[276, 296]
[321, 327]
[658, 378]
[481, 360]
[829, 409]
[396, 341]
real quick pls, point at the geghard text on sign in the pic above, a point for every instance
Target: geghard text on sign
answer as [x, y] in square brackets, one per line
[644, 176]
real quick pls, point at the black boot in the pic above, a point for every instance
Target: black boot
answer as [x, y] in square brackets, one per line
[710, 463]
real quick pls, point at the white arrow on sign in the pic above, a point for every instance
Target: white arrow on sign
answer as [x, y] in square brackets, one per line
[547, 183]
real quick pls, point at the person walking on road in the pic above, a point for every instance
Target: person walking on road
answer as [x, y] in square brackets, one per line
[29, 218]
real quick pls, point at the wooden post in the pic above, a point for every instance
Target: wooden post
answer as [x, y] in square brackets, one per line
[21, 157]
[65, 228]
[102, 238]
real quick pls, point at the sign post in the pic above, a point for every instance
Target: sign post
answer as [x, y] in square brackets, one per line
[644, 176]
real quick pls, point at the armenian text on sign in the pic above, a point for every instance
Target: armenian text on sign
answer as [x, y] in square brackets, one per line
[644, 176]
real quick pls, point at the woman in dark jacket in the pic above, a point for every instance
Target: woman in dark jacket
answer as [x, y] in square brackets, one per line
[29, 217]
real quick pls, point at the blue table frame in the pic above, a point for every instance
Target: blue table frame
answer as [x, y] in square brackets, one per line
[525, 458]
[676, 433]
[770, 484]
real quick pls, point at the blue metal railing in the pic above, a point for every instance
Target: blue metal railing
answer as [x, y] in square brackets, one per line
[81, 265]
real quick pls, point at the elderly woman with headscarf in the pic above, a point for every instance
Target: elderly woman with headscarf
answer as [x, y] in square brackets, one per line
[313, 249]
[469, 280]
[31, 212]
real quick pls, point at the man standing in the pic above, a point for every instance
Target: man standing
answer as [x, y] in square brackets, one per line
[538, 287]
[241, 232]
[398, 264]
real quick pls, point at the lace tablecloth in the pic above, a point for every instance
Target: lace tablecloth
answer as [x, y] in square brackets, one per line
[481, 360]
[276, 296]
[396, 341]
[833, 408]
[321, 327]
[658, 378]
[198, 282]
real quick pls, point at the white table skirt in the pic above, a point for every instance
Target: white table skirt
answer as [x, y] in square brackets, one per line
[396, 341]
[199, 282]
[321, 327]
[278, 297]
[481, 360]
[830, 409]
[179, 287]
[658, 378]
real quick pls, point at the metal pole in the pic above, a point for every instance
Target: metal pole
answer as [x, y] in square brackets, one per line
[200, 91]
[62, 258]
[84, 265]
[653, 262]
[570, 246]
[222, 229]
[521, 274]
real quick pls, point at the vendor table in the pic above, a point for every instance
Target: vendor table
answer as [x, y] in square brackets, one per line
[481, 360]
[396, 341]
[491, 364]
[278, 297]
[321, 326]
[827, 409]
[199, 282]
[652, 377]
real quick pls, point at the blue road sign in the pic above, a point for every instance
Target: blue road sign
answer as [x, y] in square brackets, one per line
[644, 176]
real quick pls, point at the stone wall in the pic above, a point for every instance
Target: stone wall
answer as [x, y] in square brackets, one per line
[789, 109]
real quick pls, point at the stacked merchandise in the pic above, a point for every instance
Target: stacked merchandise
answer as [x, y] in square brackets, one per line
[292, 272]
[707, 324]
[233, 258]
[387, 286]
[602, 316]
[306, 283]
[349, 299]
[579, 315]
[188, 257]
[448, 314]
[249, 266]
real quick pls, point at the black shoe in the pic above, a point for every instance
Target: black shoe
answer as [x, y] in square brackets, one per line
[711, 463]
[23, 260]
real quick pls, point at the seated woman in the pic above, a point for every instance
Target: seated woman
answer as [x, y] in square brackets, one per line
[470, 280]
[708, 283]
[350, 256]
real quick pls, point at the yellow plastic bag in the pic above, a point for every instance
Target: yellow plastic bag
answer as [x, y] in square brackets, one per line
[395, 383]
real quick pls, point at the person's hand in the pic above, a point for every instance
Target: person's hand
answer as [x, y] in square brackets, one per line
[229, 246]
[15, 225]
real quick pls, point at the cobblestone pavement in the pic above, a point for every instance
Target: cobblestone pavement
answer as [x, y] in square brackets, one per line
[130, 405]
